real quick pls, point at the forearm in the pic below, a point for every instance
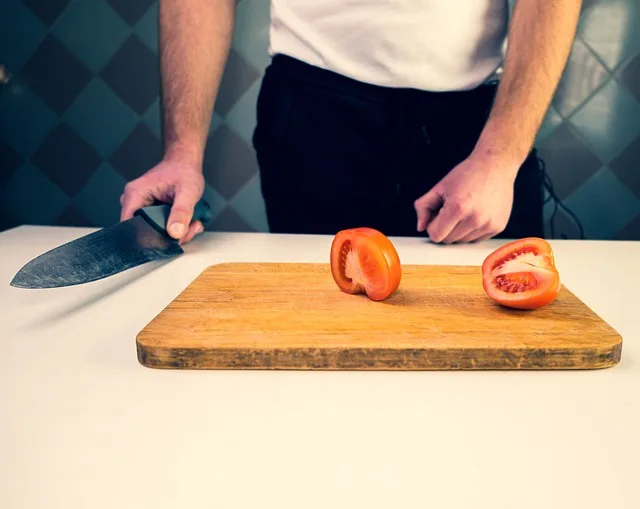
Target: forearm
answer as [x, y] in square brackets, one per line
[541, 34]
[194, 40]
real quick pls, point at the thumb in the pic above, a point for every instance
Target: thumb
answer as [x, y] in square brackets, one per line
[181, 212]
[427, 206]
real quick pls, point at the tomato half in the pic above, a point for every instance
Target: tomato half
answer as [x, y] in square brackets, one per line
[522, 274]
[364, 261]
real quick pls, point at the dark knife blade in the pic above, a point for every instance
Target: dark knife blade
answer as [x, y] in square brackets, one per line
[102, 253]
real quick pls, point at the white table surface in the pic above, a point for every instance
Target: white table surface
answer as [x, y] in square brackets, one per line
[84, 425]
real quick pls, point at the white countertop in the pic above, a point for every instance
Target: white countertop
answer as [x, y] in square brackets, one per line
[84, 425]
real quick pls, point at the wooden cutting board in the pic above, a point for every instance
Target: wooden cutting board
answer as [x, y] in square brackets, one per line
[292, 316]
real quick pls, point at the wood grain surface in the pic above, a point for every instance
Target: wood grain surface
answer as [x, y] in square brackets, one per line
[292, 316]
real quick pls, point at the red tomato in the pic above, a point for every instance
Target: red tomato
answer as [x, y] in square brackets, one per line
[363, 260]
[521, 274]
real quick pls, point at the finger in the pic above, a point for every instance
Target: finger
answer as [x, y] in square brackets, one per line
[181, 213]
[195, 228]
[472, 236]
[427, 207]
[463, 229]
[131, 201]
[447, 219]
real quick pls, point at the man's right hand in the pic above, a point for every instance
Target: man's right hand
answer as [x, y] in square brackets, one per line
[174, 181]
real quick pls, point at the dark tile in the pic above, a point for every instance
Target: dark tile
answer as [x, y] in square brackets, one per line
[71, 216]
[10, 161]
[133, 73]
[55, 74]
[630, 76]
[237, 78]
[582, 75]
[7, 219]
[137, 154]
[229, 221]
[564, 227]
[66, 159]
[631, 231]
[47, 10]
[567, 160]
[130, 10]
[627, 166]
[229, 162]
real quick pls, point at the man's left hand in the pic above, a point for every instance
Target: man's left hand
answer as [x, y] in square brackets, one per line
[472, 203]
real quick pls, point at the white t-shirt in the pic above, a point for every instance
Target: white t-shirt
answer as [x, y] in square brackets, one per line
[425, 44]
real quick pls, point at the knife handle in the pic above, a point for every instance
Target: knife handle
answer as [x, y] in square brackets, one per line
[158, 215]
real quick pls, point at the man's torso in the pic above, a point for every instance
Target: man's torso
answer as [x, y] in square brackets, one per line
[424, 44]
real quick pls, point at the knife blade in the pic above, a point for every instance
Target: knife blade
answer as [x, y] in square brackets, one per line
[108, 251]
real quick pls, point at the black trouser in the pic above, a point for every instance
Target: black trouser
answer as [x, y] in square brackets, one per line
[335, 153]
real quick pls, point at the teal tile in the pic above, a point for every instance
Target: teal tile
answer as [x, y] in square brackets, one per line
[147, 28]
[25, 119]
[249, 205]
[611, 29]
[251, 33]
[21, 32]
[242, 117]
[99, 200]
[101, 118]
[216, 121]
[92, 31]
[551, 121]
[604, 205]
[32, 198]
[216, 201]
[609, 120]
[152, 118]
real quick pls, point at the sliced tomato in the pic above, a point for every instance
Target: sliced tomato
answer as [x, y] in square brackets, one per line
[364, 261]
[522, 274]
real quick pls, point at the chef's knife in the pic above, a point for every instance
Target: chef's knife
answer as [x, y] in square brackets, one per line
[108, 251]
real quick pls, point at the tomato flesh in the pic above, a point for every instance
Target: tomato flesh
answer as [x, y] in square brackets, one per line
[364, 261]
[522, 274]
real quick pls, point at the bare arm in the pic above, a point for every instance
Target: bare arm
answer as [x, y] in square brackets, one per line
[540, 38]
[194, 40]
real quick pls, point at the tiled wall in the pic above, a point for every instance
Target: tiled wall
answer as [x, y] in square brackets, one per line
[79, 116]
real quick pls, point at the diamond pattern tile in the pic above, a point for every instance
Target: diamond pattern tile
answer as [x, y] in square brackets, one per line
[630, 76]
[631, 231]
[582, 75]
[47, 10]
[229, 163]
[551, 121]
[72, 217]
[249, 204]
[21, 32]
[32, 198]
[604, 205]
[567, 160]
[25, 119]
[609, 121]
[242, 117]
[237, 78]
[133, 73]
[66, 159]
[565, 227]
[7, 219]
[229, 221]
[251, 36]
[147, 28]
[627, 167]
[56, 74]
[10, 161]
[217, 202]
[130, 10]
[92, 31]
[611, 29]
[105, 186]
[101, 118]
[138, 153]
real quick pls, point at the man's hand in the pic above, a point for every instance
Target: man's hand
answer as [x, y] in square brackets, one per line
[472, 203]
[174, 181]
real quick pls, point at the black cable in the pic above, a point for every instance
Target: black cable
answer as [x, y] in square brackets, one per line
[557, 203]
